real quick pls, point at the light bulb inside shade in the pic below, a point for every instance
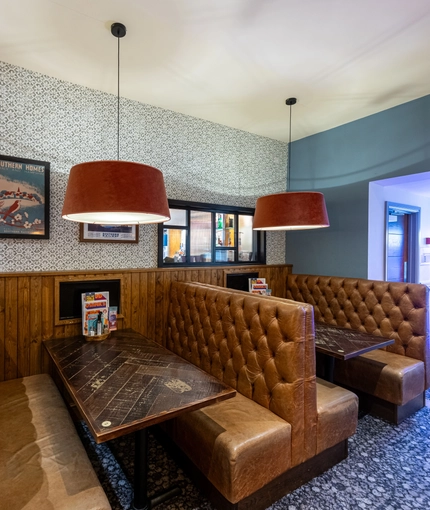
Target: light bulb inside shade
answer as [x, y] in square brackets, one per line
[115, 193]
[116, 218]
[291, 227]
[291, 210]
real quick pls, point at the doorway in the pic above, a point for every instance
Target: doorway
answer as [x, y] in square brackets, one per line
[401, 248]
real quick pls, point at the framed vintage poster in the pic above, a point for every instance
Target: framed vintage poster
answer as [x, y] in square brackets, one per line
[24, 198]
[93, 232]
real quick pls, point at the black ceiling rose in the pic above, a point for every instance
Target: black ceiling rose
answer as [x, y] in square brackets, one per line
[118, 29]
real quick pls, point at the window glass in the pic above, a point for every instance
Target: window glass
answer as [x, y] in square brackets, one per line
[224, 255]
[200, 236]
[225, 230]
[174, 245]
[245, 238]
[178, 217]
[213, 234]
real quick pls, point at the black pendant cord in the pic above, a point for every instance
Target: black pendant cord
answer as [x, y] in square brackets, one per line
[290, 102]
[118, 30]
[289, 156]
[118, 105]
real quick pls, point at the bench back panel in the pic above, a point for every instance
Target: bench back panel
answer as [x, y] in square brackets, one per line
[389, 309]
[261, 347]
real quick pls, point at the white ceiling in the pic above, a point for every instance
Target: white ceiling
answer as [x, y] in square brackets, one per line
[233, 62]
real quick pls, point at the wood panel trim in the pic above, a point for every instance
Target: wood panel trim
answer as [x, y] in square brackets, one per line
[77, 278]
[96, 272]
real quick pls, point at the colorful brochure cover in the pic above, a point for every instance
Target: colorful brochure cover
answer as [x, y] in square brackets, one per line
[259, 286]
[113, 312]
[95, 305]
[256, 281]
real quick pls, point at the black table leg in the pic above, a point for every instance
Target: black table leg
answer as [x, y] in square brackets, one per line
[141, 500]
[329, 368]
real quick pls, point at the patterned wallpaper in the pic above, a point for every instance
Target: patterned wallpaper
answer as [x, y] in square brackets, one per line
[50, 120]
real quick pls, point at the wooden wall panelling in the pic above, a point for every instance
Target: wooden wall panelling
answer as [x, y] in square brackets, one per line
[275, 278]
[204, 276]
[23, 355]
[194, 275]
[266, 273]
[150, 309]
[213, 276]
[270, 279]
[72, 329]
[48, 320]
[29, 307]
[169, 277]
[135, 302]
[126, 299]
[2, 328]
[35, 354]
[159, 307]
[220, 278]
[11, 329]
[143, 303]
[281, 282]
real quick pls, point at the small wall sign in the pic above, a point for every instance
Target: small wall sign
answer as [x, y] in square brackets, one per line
[95, 233]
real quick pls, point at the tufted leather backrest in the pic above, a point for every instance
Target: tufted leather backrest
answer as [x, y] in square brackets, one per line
[389, 309]
[262, 347]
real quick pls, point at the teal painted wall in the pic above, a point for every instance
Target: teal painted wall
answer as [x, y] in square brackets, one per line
[340, 163]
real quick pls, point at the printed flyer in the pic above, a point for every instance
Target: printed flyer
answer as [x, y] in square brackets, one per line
[95, 307]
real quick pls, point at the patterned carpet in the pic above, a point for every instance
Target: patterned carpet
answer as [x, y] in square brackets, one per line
[388, 468]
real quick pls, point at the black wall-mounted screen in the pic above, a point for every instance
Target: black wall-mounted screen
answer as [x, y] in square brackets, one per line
[71, 295]
[240, 281]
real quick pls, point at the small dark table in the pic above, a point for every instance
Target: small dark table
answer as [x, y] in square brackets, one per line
[344, 343]
[127, 383]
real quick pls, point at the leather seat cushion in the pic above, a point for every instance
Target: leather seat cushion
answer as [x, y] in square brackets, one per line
[386, 375]
[237, 444]
[43, 464]
[337, 411]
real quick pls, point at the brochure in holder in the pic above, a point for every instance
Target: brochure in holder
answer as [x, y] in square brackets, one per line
[259, 286]
[95, 317]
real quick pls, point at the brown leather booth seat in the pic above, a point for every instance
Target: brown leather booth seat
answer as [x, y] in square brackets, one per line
[43, 464]
[284, 426]
[390, 381]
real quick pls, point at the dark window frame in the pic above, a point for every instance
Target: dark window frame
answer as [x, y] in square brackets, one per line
[259, 239]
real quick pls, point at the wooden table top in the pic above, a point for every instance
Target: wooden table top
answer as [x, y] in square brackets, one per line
[128, 382]
[345, 343]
